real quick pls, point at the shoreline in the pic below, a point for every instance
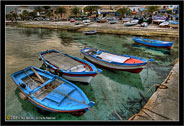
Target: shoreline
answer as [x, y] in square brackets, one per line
[167, 94]
[118, 28]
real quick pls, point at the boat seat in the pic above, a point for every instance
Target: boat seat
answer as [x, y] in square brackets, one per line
[57, 95]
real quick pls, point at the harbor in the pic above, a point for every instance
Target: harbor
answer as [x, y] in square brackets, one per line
[127, 79]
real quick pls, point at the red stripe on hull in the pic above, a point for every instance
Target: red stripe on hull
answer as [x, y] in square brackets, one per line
[137, 70]
[168, 47]
[79, 75]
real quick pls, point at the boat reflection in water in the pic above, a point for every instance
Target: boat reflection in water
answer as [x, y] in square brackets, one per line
[123, 77]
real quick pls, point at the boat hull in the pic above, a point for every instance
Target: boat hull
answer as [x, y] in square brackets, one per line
[157, 45]
[90, 33]
[40, 106]
[84, 77]
[132, 69]
[55, 100]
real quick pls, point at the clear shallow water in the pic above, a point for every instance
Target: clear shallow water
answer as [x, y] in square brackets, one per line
[112, 91]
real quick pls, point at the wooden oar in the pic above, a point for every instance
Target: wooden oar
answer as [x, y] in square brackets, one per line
[39, 77]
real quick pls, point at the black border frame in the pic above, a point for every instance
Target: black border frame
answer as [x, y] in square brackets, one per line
[181, 10]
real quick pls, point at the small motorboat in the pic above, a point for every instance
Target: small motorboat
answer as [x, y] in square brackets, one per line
[131, 23]
[153, 43]
[90, 32]
[114, 61]
[112, 21]
[164, 24]
[126, 19]
[51, 92]
[69, 67]
[144, 24]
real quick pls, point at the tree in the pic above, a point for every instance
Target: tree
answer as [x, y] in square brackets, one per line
[20, 17]
[75, 11]
[14, 16]
[90, 9]
[124, 10]
[151, 9]
[49, 14]
[32, 14]
[61, 11]
[8, 17]
[25, 14]
[46, 8]
[39, 9]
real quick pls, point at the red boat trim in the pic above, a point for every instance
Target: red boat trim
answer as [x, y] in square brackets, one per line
[85, 64]
[79, 75]
[137, 70]
[109, 63]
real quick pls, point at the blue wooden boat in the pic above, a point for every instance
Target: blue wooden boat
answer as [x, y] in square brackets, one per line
[153, 43]
[90, 32]
[69, 67]
[51, 92]
[174, 24]
[114, 61]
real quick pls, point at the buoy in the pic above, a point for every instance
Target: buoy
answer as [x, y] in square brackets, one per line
[22, 96]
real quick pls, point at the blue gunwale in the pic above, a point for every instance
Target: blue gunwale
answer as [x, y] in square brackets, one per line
[152, 42]
[116, 63]
[94, 69]
[29, 93]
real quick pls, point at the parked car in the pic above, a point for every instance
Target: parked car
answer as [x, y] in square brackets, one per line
[86, 20]
[47, 19]
[72, 20]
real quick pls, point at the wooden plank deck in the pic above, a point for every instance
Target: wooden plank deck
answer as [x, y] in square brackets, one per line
[60, 60]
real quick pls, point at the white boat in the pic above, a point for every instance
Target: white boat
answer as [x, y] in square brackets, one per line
[69, 67]
[114, 61]
[164, 24]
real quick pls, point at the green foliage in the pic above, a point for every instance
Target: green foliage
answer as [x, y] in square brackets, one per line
[60, 10]
[39, 9]
[90, 9]
[32, 14]
[25, 14]
[151, 9]
[124, 10]
[14, 16]
[8, 16]
[49, 14]
[75, 11]
[46, 8]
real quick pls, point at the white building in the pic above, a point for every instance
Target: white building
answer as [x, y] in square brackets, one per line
[20, 9]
